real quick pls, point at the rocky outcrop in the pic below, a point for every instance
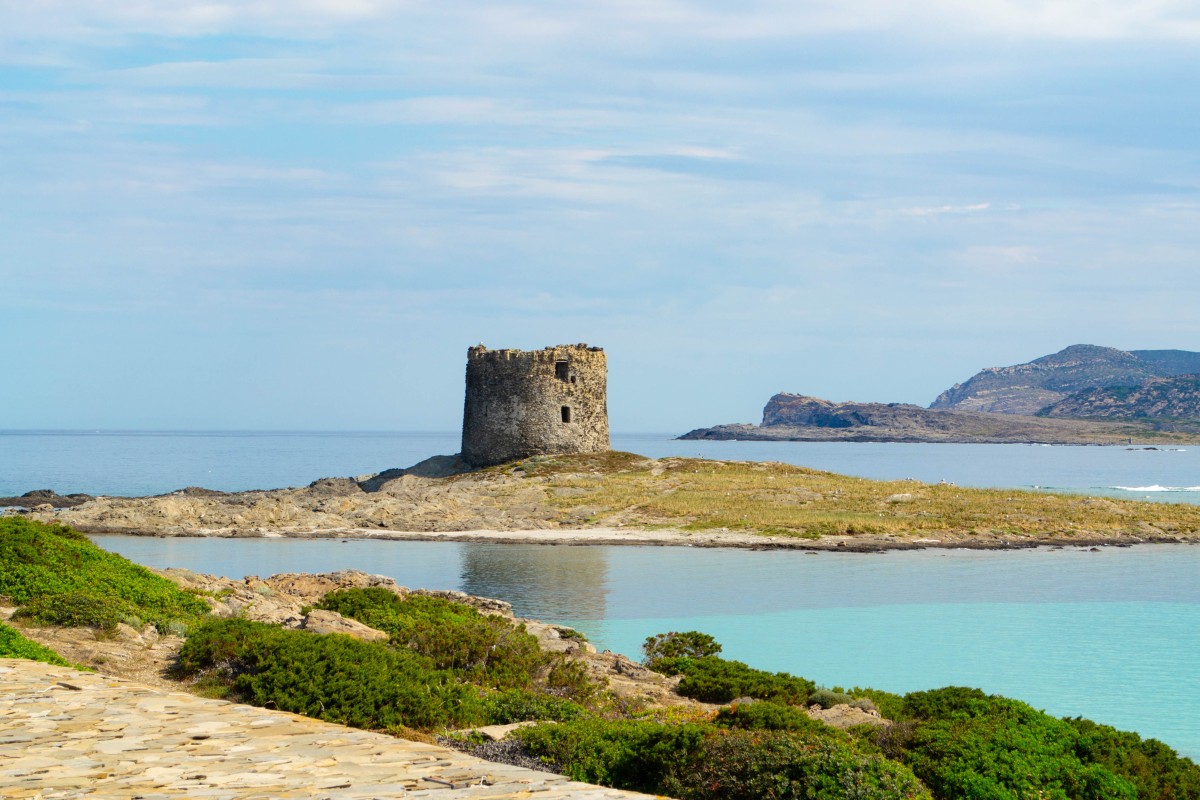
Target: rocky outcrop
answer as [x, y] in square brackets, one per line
[40, 498]
[1028, 388]
[812, 412]
[398, 500]
[1171, 398]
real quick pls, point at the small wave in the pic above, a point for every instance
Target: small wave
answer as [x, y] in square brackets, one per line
[1156, 488]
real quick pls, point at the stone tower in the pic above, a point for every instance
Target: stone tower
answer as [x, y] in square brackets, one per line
[522, 403]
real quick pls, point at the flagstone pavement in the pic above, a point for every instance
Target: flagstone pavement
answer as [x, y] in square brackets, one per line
[71, 734]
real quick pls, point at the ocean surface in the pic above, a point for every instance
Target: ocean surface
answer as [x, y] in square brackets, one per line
[1112, 634]
[132, 463]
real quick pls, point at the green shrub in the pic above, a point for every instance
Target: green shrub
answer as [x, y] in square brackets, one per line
[714, 680]
[752, 765]
[771, 717]
[489, 650]
[327, 676]
[76, 610]
[14, 645]
[688, 644]
[699, 762]
[970, 745]
[570, 679]
[520, 705]
[639, 756]
[38, 561]
[1155, 770]
[827, 698]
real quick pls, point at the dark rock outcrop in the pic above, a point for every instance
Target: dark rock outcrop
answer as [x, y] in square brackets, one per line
[42, 497]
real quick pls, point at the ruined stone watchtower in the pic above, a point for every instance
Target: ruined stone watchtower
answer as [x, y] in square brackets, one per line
[522, 403]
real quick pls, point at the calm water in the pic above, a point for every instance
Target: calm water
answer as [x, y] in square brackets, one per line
[1112, 635]
[141, 463]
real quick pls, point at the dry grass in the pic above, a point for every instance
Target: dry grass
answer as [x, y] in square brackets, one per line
[774, 498]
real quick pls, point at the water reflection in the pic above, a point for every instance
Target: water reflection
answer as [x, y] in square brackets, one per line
[540, 581]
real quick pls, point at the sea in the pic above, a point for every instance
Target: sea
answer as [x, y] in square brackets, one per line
[1112, 634]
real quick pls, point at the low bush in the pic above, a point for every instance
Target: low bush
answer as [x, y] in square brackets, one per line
[76, 610]
[688, 644]
[14, 645]
[827, 698]
[635, 755]
[715, 680]
[1155, 770]
[771, 717]
[752, 765]
[39, 562]
[520, 705]
[967, 744]
[705, 762]
[488, 650]
[328, 676]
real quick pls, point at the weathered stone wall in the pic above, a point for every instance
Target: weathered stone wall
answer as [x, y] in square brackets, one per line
[521, 403]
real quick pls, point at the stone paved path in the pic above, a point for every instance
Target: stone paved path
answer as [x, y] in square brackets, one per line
[70, 734]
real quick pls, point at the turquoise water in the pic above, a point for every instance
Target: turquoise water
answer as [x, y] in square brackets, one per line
[1112, 635]
[133, 463]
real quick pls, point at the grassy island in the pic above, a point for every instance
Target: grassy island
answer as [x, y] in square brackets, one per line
[784, 500]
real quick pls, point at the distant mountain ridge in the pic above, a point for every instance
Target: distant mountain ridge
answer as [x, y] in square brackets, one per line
[1026, 389]
[795, 417]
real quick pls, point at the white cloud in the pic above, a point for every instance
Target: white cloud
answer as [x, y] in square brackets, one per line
[936, 211]
[621, 23]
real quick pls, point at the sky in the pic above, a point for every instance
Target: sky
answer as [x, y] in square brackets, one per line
[299, 215]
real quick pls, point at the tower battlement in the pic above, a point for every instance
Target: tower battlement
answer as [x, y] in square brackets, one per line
[534, 402]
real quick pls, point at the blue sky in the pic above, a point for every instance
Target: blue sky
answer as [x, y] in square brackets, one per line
[299, 215]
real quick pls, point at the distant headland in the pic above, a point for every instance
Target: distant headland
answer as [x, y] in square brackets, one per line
[1084, 394]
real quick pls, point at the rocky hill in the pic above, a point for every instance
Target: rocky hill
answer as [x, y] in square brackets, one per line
[1172, 398]
[1028, 388]
[795, 417]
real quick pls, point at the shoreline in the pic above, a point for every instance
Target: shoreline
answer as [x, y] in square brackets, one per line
[644, 537]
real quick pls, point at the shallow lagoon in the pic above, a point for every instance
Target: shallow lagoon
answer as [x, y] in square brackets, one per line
[1112, 634]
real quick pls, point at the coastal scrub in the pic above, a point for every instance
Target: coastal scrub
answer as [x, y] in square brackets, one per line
[58, 577]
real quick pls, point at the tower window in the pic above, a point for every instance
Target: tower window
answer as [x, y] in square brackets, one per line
[562, 371]
[566, 413]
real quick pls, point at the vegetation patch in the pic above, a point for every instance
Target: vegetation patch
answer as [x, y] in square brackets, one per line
[963, 743]
[14, 645]
[711, 679]
[327, 676]
[59, 577]
[488, 650]
[702, 761]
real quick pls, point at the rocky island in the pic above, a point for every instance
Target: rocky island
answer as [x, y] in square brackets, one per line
[622, 498]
